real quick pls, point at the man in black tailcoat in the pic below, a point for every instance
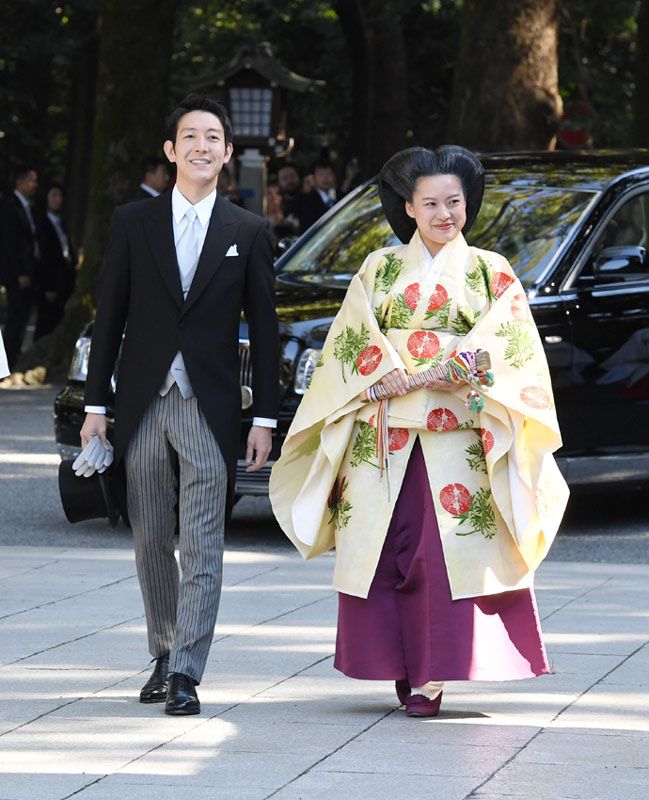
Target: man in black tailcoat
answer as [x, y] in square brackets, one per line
[179, 269]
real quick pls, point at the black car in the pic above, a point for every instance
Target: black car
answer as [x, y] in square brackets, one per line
[575, 228]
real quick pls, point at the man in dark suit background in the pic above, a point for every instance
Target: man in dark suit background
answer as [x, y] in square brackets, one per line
[178, 271]
[155, 178]
[57, 268]
[19, 257]
[309, 207]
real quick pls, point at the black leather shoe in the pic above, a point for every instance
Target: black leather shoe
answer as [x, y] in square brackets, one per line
[181, 695]
[155, 689]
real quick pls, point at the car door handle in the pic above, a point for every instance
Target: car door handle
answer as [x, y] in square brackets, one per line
[553, 339]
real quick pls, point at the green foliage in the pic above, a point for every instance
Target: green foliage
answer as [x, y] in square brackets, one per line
[465, 320]
[388, 272]
[400, 313]
[480, 517]
[520, 344]
[364, 446]
[348, 345]
[479, 279]
[475, 456]
[596, 64]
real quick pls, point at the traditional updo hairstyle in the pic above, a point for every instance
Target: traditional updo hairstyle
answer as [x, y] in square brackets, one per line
[399, 175]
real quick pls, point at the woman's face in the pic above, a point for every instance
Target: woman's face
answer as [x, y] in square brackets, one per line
[439, 208]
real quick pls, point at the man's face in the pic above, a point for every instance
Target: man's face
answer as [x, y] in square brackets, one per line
[28, 184]
[159, 178]
[54, 200]
[199, 151]
[288, 180]
[324, 178]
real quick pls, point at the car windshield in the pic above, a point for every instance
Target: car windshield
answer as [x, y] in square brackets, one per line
[526, 224]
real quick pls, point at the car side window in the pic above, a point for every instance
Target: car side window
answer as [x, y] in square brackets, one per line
[619, 253]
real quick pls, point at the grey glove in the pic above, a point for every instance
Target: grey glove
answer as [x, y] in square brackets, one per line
[95, 457]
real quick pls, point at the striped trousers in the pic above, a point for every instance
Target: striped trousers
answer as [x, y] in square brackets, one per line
[176, 473]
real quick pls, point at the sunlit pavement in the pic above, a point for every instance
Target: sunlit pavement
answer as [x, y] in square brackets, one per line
[279, 721]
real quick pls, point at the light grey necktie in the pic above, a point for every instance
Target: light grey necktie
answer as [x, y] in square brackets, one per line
[187, 250]
[187, 254]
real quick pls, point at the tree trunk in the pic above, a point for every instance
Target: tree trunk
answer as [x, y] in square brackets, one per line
[641, 97]
[505, 95]
[379, 111]
[135, 50]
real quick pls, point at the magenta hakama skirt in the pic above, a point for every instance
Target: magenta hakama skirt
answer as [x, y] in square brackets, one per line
[410, 628]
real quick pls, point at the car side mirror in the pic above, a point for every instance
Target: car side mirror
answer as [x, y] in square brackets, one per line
[620, 263]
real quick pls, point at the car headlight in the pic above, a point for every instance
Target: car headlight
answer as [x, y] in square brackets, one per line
[79, 366]
[304, 370]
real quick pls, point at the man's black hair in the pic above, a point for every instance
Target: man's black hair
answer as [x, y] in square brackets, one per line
[323, 165]
[198, 102]
[151, 164]
[288, 165]
[21, 171]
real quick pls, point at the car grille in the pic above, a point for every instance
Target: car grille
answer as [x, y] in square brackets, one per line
[252, 482]
[245, 370]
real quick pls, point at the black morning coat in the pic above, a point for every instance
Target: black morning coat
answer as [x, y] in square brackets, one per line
[141, 294]
[16, 243]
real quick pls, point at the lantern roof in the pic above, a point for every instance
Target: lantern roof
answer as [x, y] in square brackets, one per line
[259, 58]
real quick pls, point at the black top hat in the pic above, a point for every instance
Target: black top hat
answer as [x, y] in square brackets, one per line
[86, 498]
[399, 175]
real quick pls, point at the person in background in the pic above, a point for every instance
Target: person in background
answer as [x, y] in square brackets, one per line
[57, 268]
[308, 208]
[155, 178]
[4, 368]
[19, 257]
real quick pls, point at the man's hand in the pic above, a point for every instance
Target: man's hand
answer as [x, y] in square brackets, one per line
[258, 449]
[24, 281]
[94, 425]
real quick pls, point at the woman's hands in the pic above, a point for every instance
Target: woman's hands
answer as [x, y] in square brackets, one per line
[396, 382]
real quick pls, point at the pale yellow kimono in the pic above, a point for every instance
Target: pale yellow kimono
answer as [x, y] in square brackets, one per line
[498, 494]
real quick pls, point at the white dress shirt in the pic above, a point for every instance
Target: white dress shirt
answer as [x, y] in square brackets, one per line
[177, 373]
[55, 219]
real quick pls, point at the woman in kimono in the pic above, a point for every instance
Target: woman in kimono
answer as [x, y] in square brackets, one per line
[442, 501]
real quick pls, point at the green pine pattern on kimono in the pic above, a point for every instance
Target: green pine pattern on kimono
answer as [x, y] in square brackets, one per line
[351, 348]
[520, 344]
[338, 505]
[475, 455]
[474, 509]
[404, 306]
[439, 307]
[388, 272]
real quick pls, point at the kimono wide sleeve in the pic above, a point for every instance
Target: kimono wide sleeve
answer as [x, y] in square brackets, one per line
[355, 355]
[526, 484]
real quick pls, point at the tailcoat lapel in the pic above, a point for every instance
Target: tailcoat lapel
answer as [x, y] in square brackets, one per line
[160, 235]
[220, 235]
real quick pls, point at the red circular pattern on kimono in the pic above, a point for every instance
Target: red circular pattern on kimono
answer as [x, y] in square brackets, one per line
[423, 344]
[411, 296]
[397, 439]
[456, 499]
[438, 298]
[441, 419]
[535, 397]
[519, 308]
[369, 359]
[487, 440]
[500, 282]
